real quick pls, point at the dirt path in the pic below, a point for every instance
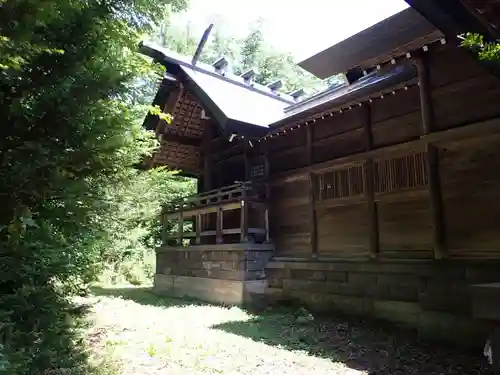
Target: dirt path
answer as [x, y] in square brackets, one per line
[143, 334]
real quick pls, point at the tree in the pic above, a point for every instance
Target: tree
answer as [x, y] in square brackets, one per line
[486, 50]
[251, 48]
[252, 51]
[71, 133]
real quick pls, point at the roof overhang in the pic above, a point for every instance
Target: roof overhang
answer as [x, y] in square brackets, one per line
[394, 35]
[370, 86]
[454, 17]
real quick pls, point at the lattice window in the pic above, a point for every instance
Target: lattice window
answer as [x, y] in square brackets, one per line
[257, 171]
[341, 183]
[400, 173]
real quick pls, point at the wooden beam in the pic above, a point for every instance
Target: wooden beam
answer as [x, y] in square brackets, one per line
[367, 126]
[244, 220]
[246, 156]
[207, 155]
[436, 202]
[432, 158]
[312, 199]
[198, 228]
[422, 64]
[369, 183]
[219, 226]
[309, 145]
[180, 229]
[314, 219]
[474, 130]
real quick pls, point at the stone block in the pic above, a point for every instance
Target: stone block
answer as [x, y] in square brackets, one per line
[163, 284]
[308, 275]
[337, 276]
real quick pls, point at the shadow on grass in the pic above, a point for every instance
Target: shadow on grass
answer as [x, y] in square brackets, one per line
[370, 346]
[144, 296]
[361, 345]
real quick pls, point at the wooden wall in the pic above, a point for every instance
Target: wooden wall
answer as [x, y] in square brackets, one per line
[398, 218]
[376, 201]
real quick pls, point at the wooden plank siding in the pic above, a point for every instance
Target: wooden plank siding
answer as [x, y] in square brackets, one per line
[406, 220]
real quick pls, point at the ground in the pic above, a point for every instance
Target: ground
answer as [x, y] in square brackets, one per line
[144, 334]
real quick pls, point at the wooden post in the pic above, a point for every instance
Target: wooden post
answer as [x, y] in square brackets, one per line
[180, 229]
[312, 199]
[438, 237]
[422, 64]
[372, 209]
[432, 158]
[266, 224]
[369, 184]
[198, 229]
[244, 218]
[219, 225]
[207, 152]
[246, 156]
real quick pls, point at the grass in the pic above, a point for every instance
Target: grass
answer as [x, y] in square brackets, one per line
[141, 333]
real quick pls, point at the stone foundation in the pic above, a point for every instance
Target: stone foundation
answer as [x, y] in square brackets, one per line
[232, 274]
[433, 297]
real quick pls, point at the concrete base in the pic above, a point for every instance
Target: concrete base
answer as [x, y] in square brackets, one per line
[229, 292]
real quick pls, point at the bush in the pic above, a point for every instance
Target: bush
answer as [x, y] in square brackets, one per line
[71, 105]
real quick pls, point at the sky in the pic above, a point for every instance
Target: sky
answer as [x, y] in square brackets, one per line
[303, 28]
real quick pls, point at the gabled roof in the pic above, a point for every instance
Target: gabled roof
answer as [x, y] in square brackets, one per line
[237, 106]
[399, 32]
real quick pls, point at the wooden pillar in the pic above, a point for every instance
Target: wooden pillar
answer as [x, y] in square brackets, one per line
[432, 158]
[198, 229]
[219, 226]
[246, 156]
[180, 230]
[244, 218]
[207, 155]
[312, 199]
[369, 184]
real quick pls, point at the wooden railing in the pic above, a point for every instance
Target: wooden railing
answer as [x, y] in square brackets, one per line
[206, 208]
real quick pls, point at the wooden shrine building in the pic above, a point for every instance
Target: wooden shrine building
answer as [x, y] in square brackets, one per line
[379, 197]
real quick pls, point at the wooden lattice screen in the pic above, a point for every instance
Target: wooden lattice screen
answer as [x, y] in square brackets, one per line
[340, 183]
[400, 173]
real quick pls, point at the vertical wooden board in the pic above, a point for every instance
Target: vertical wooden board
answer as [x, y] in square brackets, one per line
[343, 231]
[470, 188]
[405, 229]
[397, 129]
[466, 101]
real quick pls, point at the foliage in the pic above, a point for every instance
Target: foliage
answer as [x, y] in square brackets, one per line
[251, 51]
[486, 50]
[133, 230]
[70, 135]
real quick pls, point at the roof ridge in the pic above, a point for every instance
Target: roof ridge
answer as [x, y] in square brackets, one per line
[204, 68]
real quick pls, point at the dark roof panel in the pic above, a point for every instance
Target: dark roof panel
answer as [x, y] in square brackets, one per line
[337, 96]
[362, 49]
